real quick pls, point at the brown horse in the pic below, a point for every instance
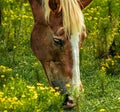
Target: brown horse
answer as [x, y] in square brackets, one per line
[57, 35]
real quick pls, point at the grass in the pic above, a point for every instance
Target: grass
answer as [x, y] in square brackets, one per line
[23, 84]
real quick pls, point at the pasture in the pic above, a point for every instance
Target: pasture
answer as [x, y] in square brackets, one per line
[23, 84]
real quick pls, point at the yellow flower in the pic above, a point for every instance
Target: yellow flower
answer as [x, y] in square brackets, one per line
[24, 16]
[31, 88]
[11, 78]
[42, 88]
[118, 56]
[12, 88]
[68, 85]
[52, 89]
[17, 75]
[4, 85]
[1, 94]
[46, 88]
[23, 96]
[39, 84]
[102, 110]
[9, 69]
[11, 11]
[57, 88]
[109, 59]
[2, 76]
[107, 65]
[96, 18]
[14, 47]
[119, 98]
[25, 4]
[57, 93]
[35, 95]
[15, 98]
[102, 64]
[5, 111]
[113, 62]
[103, 69]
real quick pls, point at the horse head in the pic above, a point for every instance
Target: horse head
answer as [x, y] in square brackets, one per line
[56, 38]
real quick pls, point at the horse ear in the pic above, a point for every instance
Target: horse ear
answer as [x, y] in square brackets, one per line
[55, 6]
[84, 3]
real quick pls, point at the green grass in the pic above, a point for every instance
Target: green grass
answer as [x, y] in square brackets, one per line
[23, 84]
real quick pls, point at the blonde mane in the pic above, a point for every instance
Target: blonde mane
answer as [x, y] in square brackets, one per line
[72, 16]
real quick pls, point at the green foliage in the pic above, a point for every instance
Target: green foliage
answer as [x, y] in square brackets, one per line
[22, 76]
[102, 20]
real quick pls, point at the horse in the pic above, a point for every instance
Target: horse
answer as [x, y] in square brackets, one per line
[57, 36]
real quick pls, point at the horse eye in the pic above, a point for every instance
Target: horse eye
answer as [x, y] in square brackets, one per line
[58, 42]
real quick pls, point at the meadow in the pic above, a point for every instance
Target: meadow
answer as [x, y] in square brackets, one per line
[23, 84]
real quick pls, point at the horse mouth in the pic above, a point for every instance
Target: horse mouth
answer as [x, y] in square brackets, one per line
[68, 102]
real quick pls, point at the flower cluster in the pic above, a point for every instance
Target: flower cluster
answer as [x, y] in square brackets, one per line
[111, 65]
[5, 69]
[29, 97]
[17, 95]
[5, 73]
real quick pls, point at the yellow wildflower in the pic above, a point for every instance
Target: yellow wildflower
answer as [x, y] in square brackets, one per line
[23, 96]
[31, 88]
[2, 76]
[36, 64]
[103, 69]
[57, 88]
[24, 16]
[40, 88]
[46, 88]
[17, 75]
[1, 94]
[96, 18]
[68, 85]
[25, 4]
[12, 88]
[107, 65]
[118, 56]
[35, 95]
[52, 89]
[57, 93]
[39, 84]
[109, 59]
[15, 98]
[9, 69]
[119, 98]
[102, 110]
[4, 85]
[113, 62]
[11, 11]
[5, 111]
[14, 47]
[11, 78]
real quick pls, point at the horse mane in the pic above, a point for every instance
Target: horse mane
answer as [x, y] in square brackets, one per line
[72, 16]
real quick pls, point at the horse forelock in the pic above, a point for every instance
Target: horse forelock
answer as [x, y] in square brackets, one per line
[46, 9]
[72, 16]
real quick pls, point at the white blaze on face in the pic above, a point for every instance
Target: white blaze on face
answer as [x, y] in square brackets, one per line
[75, 52]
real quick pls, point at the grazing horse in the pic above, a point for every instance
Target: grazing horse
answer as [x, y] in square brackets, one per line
[56, 38]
